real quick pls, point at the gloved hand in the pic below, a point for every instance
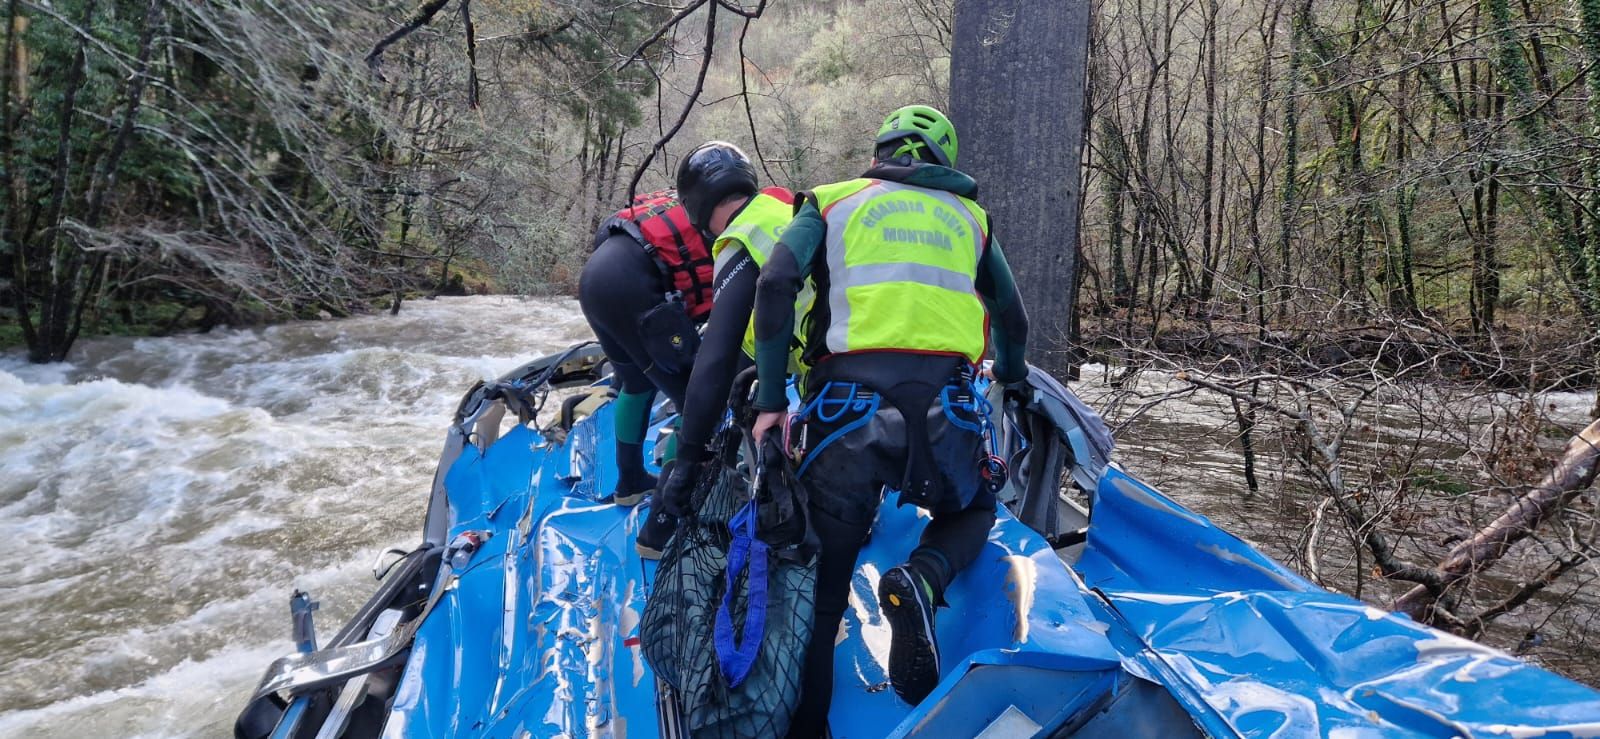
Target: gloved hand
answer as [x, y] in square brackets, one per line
[1020, 391]
[678, 492]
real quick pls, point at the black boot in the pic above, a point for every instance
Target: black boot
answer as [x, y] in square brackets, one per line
[655, 533]
[633, 482]
[907, 600]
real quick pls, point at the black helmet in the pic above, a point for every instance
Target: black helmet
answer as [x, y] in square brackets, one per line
[711, 174]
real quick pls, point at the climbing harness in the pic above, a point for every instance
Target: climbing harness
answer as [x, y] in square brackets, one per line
[865, 401]
[858, 399]
[993, 468]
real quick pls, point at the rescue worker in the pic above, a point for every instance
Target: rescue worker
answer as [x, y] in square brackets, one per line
[644, 290]
[744, 228]
[908, 276]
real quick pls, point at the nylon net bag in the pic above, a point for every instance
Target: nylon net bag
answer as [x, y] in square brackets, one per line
[678, 630]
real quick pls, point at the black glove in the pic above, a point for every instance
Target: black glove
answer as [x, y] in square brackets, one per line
[678, 493]
[1020, 391]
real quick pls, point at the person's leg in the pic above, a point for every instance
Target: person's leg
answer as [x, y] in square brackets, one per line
[950, 542]
[840, 544]
[675, 385]
[631, 420]
[844, 479]
[911, 593]
[965, 513]
[619, 283]
[651, 541]
[630, 416]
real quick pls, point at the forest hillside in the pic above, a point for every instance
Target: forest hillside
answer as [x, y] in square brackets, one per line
[1308, 174]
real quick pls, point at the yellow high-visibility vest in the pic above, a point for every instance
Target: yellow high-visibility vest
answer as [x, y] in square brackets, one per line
[757, 228]
[902, 269]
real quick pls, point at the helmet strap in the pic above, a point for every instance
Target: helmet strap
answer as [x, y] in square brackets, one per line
[912, 148]
[904, 153]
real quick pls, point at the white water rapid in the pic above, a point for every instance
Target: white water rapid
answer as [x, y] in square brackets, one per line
[161, 498]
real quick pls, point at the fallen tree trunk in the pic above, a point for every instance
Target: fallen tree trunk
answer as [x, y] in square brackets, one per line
[1571, 476]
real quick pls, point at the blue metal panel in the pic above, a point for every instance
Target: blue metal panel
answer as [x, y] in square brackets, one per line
[1140, 539]
[1270, 654]
[1045, 695]
[1318, 663]
[1016, 596]
[540, 632]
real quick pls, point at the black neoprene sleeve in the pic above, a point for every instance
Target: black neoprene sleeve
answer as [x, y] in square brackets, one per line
[721, 356]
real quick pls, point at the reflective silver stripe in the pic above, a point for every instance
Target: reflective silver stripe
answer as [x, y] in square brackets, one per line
[922, 274]
[759, 239]
[839, 213]
[763, 243]
[727, 255]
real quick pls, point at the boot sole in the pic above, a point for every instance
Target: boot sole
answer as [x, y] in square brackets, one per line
[913, 653]
[630, 500]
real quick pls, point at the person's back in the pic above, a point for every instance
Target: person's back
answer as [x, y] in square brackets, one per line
[909, 261]
[643, 290]
[904, 268]
[743, 227]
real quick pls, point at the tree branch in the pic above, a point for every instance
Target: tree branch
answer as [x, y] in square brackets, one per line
[638, 52]
[744, 91]
[688, 105]
[1476, 624]
[424, 14]
[1573, 474]
[472, 55]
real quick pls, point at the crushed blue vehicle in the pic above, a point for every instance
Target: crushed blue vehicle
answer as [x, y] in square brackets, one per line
[1099, 607]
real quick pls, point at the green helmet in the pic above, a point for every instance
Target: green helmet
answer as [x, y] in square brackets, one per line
[919, 127]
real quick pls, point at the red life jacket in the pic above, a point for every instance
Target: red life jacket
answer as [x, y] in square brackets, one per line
[662, 225]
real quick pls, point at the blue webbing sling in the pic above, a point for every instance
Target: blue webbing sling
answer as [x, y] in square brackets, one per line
[747, 554]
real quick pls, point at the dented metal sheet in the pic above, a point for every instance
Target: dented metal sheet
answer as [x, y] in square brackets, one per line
[1168, 626]
[540, 638]
[1267, 653]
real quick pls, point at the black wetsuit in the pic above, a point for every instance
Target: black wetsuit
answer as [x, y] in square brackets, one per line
[619, 285]
[721, 357]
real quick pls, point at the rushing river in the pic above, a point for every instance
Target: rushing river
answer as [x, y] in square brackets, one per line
[163, 497]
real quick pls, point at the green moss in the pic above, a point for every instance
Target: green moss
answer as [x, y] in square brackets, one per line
[1555, 432]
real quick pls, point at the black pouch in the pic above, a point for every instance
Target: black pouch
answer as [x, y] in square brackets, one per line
[669, 336]
[782, 517]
